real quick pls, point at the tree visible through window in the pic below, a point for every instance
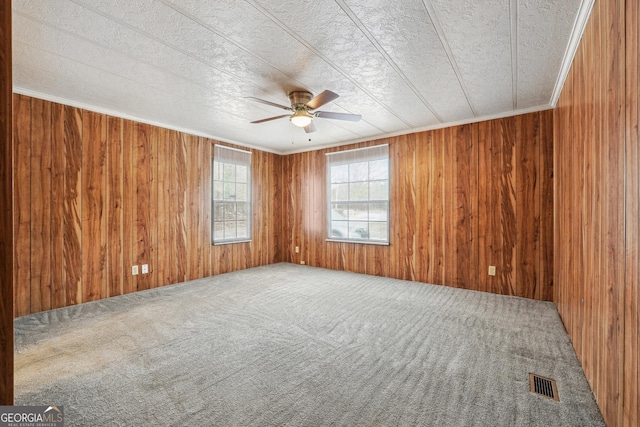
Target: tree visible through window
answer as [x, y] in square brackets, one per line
[358, 195]
[231, 198]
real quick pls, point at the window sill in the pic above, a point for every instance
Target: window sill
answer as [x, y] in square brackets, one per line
[230, 242]
[364, 242]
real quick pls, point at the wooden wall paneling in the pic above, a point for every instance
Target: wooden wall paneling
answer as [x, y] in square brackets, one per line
[439, 230]
[615, 216]
[448, 200]
[257, 204]
[116, 267]
[152, 189]
[474, 277]
[577, 160]
[631, 386]
[7, 278]
[141, 220]
[22, 205]
[162, 267]
[484, 208]
[508, 207]
[589, 346]
[205, 154]
[40, 205]
[527, 205]
[178, 208]
[461, 197]
[73, 204]
[277, 207]
[403, 206]
[495, 213]
[424, 207]
[93, 211]
[192, 218]
[545, 178]
[595, 143]
[128, 206]
[58, 290]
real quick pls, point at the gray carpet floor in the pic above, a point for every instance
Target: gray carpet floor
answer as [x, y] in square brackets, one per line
[295, 345]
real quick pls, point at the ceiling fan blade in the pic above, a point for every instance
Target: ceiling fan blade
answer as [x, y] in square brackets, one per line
[273, 104]
[270, 118]
[323, 98]
[310, 128]
[338, 116]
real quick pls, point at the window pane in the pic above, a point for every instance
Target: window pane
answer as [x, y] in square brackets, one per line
[229, 211]
[358, 230]
[378, 231]
[218, 230]
[379, 190]
[339, 229]
[241, 173]
[358, 194]
[231, 195]
[218, 212]
[359, 212]
[339, 192]
[229, 173]
[241, 211]
[339, 173]
[230, 230]
[378, 211]
[339, 211]
[359, 171]
[217, 190]
[242, 229]
[358, 191]
[379, 169]
[241, 192]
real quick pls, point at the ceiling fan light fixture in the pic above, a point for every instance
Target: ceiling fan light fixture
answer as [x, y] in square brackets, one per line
[301, 118]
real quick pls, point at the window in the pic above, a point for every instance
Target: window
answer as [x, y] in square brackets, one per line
[358, 195]
[231, 204]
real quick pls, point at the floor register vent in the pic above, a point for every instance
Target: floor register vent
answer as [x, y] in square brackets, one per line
[543, 386]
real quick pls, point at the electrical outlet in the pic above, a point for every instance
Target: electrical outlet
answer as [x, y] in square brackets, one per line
[297, 249]
[145, 268]
[302, 262]
[134, 270]
[492, 270]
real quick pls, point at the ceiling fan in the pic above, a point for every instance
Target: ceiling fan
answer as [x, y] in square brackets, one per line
[303, 105]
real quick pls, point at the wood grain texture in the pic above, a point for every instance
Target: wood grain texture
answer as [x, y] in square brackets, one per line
[6, 213]
[96, 195]
[455, 195]
[94, 209]
[596, 214]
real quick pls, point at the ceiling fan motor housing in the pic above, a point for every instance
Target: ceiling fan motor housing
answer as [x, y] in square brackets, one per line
[299, 99]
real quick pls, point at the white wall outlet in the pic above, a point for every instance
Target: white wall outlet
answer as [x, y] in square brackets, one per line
[145, 268]
[302, 262]
[297, 249]
[134, 270]
[492, 270]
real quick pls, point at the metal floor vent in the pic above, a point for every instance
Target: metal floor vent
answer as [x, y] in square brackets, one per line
[543, 386]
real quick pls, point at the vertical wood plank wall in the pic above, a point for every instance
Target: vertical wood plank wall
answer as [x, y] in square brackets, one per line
[597, 194]
[6, 216]
[96, 194]
[462, 198]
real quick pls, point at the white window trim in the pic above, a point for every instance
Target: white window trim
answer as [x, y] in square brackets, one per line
[329, 201]
[249, 202]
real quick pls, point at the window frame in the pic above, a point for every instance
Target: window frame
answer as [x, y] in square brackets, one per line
[225, 160]
[329, 202]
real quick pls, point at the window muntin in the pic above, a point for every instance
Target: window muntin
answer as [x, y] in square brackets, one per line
[231, 195]
[358, 195]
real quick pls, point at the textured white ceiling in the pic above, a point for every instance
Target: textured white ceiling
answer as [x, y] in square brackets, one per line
[405, 65]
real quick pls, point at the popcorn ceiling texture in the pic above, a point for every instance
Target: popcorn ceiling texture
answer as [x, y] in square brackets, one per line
[186, 64]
